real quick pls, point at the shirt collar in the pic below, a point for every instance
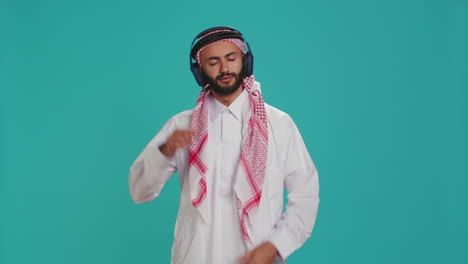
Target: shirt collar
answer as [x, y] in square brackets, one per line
[236, 107]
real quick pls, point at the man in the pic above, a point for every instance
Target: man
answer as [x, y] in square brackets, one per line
[235, 155]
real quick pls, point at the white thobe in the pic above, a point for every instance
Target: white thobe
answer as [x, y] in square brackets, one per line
[217, 238]
[225, 139]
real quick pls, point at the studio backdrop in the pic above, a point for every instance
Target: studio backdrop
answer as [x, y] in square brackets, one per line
[378, 90]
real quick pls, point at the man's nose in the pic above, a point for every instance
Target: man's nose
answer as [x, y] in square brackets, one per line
[224, 67]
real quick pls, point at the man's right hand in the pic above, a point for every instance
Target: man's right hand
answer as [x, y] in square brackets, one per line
[178, 139]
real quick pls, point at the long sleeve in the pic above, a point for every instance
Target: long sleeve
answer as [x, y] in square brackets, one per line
[152, 169]
[301, 182]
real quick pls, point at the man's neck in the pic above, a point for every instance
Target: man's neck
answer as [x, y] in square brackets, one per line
[227, 99]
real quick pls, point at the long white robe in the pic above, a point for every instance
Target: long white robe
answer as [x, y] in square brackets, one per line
[217, 238]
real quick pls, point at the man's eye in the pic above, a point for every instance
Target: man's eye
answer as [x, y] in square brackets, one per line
[231, 59]
[213, 63]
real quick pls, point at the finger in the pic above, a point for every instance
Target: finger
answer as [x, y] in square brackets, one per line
[186, 134]
[174, 145]
[188, 131]
[179, 144]
[188, 137]
[181, 135]
[191, 132]
[182, 142]
[169, 146]
[246, 258]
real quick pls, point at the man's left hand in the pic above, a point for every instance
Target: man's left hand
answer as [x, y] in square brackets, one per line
[264, 254]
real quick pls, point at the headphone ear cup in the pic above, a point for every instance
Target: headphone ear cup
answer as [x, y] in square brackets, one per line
[197, 73]
[248, 64]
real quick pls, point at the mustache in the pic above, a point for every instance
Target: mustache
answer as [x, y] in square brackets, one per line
[222, 75]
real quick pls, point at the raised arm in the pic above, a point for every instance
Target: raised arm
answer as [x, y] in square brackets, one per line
[156, 164]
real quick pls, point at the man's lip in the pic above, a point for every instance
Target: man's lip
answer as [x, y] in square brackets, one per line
[226, 79]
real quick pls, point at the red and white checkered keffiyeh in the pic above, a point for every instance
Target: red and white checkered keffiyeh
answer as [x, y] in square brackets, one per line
[253, 157]
[238, 42]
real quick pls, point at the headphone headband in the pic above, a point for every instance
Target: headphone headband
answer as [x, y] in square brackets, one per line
[213, 38]
[206, 31]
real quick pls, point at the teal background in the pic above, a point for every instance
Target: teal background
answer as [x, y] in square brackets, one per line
[377, 88]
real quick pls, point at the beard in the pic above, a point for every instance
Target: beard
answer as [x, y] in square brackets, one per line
[225, 89]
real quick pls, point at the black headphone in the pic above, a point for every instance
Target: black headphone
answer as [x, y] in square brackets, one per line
[228, 32]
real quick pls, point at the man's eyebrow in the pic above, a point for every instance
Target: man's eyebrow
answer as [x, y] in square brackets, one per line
[229, 54]
[217, 58]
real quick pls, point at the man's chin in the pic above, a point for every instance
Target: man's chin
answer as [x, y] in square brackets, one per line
[224, 89]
